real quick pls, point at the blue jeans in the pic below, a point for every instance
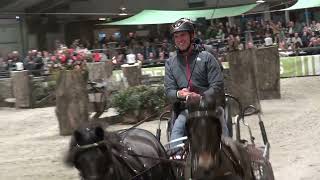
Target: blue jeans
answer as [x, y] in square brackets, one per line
[179, 127]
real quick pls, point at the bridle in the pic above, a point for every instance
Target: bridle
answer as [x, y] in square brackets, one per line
[121, 158]
[80, 148]
[221, 148]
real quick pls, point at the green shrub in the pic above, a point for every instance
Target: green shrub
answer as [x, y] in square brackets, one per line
[139, 98]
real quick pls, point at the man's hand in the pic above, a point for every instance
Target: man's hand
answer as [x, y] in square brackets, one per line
[183, 93]
[193, 98]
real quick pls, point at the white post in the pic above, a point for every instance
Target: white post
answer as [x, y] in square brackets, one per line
[307, 16]
[287, 17]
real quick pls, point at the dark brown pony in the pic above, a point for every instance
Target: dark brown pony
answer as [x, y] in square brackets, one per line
[214, 155]
[101, 155]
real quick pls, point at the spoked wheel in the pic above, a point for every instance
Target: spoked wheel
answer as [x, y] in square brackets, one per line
[228, 117]
[262, 170]
[191, 166]
[166, 116]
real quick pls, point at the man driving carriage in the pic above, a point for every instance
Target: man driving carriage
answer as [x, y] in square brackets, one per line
[193, 73]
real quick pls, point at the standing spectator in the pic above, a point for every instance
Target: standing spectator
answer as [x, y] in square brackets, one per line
[305, 39]
[291, 29]
[268, 30]
[259, 32]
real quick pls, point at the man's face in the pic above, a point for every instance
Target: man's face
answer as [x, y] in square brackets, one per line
[182, 40]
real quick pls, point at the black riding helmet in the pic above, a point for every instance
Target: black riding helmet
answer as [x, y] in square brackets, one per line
[186, 25]
[183, 24]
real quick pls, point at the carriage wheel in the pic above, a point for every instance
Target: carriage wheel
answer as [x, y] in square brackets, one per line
[166, 116]
[262, 170]
[191, 165]
[228, 117]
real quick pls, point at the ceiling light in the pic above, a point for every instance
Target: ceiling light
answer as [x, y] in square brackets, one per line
[123, 14]
[260, 1]
[102, 19]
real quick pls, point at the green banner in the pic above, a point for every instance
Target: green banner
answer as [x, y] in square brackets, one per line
[300, 66]
[289, 67]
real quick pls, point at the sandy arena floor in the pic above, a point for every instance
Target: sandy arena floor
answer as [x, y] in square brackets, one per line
[31, 148]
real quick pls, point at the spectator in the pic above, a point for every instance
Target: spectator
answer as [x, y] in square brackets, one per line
[305, 39]
[296, 41]
[140, 58]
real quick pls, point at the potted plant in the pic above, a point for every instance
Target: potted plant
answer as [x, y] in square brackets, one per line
[139, 102]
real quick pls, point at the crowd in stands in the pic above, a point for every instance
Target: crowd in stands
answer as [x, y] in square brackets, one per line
[42, 62]
[223, 37]
[291, 36]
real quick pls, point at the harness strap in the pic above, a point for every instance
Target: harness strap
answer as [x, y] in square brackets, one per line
[235, 160]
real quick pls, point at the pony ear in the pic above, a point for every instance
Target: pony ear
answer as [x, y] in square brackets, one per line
[99, 132]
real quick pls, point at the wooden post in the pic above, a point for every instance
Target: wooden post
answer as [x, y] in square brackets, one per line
[21, 84]
[71, 100]
[243, 82]
[268, 72]
[132, 74]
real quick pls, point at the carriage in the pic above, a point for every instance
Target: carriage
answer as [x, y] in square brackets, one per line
[260, 166]
[187, 163]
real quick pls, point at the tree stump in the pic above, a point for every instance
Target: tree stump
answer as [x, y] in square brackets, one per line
[132, 74]
[243, 81]
[21, 84]
[268, 76]
[71, 100]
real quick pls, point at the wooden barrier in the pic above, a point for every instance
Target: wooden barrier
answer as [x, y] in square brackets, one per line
[268, 72]
[21, 84]
[71, 100]
[100, 70]
[243, 82]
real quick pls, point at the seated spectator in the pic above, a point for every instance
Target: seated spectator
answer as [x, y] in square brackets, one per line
[296, 41]
[151, 56]
[233, 43]
[220, 35]
[268, 30]
[140, 58]
[162, 55]
[250, 45]
[282, 45]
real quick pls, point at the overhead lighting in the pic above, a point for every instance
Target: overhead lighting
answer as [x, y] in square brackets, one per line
[102, 19]
[260, 1]
[123, 14]
[123, 11]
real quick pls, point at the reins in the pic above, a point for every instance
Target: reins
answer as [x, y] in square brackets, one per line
[132, 153]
